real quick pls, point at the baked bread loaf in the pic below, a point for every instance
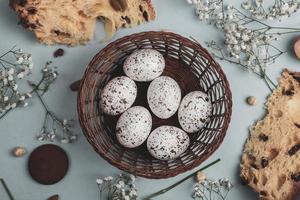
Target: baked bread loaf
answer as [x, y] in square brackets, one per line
[72, 22]
[271, 159]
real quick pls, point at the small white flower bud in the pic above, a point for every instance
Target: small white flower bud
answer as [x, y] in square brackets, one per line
[13, 105]
[20, 75]
[20, 60]
[15, 87]
[11, 71]
[10, 78]
[99, 181]
[64, 141]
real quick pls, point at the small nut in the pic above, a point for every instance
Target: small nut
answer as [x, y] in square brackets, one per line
[297, 48]
[251, 100]
[19, 151]
[54, 197]
[200, 177]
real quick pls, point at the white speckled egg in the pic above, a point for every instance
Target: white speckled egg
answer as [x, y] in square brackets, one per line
[194, 111]
[167, 142]
[134, 126]
[144, 65]
[164, 96]
[118, 95]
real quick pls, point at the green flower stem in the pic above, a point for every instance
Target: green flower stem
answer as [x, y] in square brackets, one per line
[179, 182]
[5, 113]
[6, 189]
[48, 112]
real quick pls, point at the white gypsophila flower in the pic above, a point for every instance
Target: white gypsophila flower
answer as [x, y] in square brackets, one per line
[99, 181]
[11, 71]
[197, 191]
[28, 95]
[211, 189]
[108, 178]
[5, 98]
[121, 183]
[22, 98]
[133, 193]
[120, 188]
[20, 75]
[132, 177]
[10, 75]
[13, 105]
[65, 140]
[20, 60]
[224, 182]
[73, 137]
[65, 122]
[40, 138]
[278, 10]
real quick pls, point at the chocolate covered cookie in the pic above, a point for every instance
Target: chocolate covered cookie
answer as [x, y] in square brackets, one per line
[48, 164]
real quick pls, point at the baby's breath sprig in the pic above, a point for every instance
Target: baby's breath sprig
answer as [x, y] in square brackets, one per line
[15, 66]
[120, 188]
[248, 42]
[123, 187]
[211, 189]
[52, 124]
[278, 9]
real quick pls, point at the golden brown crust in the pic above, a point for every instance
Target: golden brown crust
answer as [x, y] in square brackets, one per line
[72, 22]
[270, 163]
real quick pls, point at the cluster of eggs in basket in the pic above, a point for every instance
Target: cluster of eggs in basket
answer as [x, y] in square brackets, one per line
[134, 125]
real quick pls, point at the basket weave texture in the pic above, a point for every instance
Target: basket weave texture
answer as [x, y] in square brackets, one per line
[191, 66]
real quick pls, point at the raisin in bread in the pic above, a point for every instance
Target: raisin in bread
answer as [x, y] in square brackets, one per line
[271, 159]
[72, 22]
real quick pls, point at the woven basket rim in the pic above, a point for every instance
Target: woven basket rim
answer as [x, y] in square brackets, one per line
[208, 151]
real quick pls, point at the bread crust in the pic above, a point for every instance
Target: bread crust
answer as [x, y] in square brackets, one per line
[72, 22]
[270, 163]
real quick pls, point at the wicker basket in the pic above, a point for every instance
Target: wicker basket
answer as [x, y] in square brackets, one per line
[191, 66]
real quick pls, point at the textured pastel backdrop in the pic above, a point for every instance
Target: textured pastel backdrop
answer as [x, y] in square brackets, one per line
[20, 127]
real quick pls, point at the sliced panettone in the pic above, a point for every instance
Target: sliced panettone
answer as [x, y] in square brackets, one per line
[72, 22]
[271, 159]
[121, 13]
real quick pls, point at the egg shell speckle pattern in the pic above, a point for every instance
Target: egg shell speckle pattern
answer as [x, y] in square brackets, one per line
[134, 126]
[194, 111]
[118, 95]
[144, 65]
[167, 142]
[164, 96]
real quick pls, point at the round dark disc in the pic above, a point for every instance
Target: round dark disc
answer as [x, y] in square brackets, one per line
[48, 164]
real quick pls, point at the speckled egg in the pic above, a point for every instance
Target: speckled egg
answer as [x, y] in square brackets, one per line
[167, 142]
[164, 96]
[134, 126]
[144, 65]
[194, 111]
[118, 95]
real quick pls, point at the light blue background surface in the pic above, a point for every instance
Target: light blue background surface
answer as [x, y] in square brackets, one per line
[21, 126]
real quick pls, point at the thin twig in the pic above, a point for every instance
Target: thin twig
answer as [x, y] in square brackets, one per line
[7, 189]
